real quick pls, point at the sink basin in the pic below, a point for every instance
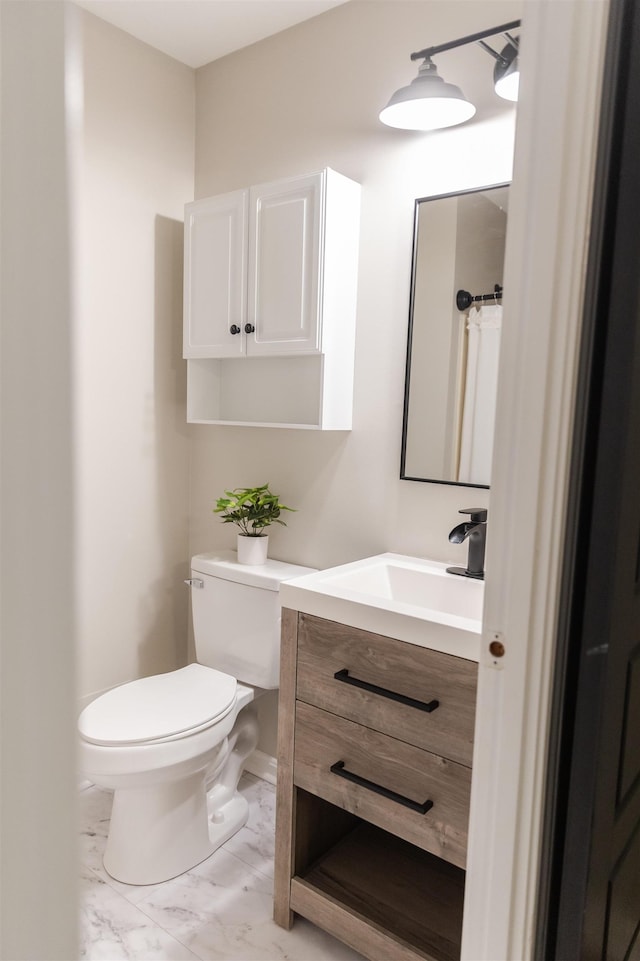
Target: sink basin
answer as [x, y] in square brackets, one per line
[409, 598]
[409, 582]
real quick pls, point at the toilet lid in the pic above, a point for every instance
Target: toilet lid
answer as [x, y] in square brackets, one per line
[160, 707]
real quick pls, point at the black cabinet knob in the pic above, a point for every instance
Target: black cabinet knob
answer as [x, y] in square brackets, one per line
[234, 329]
[249, 328]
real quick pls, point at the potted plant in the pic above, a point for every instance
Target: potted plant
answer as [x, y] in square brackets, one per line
[252, 509]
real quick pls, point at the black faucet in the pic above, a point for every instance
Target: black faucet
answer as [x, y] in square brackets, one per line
[476, 530]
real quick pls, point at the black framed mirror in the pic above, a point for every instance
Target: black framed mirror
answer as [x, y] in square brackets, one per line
[455, 321]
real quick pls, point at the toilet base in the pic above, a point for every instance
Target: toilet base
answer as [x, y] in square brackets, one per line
[229, 819]
[159, 831]
[191, 848]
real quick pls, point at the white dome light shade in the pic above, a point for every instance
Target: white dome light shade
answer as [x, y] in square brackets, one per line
[506, 74]
[508, 86]
[428, 103]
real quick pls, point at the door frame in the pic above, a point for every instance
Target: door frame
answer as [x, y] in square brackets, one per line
[547, 243]
[571, 902]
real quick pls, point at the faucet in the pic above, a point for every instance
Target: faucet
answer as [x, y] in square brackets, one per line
[476, 530]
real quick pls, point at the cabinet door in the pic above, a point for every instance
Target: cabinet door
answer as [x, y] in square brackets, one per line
[284, 266]
[215, 276]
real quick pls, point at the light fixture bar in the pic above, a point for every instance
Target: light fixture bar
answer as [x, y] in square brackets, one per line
[491, 51]
[428, 103]
[472, 38]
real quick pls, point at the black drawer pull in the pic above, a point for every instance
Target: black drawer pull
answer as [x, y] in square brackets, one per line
[343, 675]
[339, 769]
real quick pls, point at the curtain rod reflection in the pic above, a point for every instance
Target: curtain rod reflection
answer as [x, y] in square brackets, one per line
[464, 299]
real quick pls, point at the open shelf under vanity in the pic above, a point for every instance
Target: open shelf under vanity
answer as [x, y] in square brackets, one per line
[372, 888]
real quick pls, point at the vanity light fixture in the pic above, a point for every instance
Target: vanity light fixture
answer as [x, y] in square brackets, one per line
[506, 72]
[428, 103]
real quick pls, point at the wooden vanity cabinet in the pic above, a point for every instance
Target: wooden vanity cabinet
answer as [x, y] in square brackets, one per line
[374, 775]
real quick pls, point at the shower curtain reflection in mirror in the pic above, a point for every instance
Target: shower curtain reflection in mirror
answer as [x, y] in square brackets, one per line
[452, 354]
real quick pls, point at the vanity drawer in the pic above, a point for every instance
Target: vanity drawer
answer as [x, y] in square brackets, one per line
[391, 667]
[406, 774]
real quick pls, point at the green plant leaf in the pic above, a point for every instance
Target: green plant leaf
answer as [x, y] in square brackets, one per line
[251, 509]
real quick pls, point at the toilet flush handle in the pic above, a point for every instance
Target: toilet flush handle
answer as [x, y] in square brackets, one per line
[194, 582]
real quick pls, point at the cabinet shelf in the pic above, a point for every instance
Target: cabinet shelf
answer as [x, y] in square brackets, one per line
[263, 391]
[386, 890]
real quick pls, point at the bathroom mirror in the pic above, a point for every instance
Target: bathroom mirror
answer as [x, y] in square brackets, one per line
[455, 317]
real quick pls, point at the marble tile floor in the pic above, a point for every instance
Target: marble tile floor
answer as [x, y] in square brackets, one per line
[219, 911]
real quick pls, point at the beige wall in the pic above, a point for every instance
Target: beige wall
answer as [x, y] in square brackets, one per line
[38, 868]
[132, 456]
[307, 98]
[293, 103]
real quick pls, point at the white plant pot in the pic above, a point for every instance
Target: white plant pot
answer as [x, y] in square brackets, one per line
[252, 550]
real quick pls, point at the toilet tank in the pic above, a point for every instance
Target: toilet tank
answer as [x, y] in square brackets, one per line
[236, 615]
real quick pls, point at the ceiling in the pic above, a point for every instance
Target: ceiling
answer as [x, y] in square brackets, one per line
[199, 31]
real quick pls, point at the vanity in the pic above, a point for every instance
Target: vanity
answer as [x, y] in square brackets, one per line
[376, 722]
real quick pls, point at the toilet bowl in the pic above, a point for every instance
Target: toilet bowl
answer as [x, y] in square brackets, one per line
[172, 747]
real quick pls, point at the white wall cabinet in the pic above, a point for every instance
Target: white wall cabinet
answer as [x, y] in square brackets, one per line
[215, 287]
[270, 303]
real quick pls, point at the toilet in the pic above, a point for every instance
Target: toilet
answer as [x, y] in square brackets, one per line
[173, 747]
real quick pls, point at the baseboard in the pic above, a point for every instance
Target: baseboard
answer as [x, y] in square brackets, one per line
[262, 765]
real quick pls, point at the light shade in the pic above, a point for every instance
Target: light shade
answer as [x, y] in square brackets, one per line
[428, 103]
[506, 74]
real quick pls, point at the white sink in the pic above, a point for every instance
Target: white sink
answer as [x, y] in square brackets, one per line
[391, 577]
[409, 598]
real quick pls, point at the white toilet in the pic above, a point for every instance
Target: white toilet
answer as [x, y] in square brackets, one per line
[173, 746]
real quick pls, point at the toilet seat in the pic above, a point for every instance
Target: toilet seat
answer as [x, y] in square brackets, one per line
[160, 708]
